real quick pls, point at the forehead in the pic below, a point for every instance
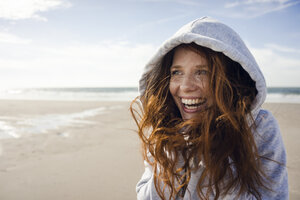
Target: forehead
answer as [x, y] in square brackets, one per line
[188, 54]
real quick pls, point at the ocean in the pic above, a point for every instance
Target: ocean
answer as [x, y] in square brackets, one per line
[72, 94]
[275, 94]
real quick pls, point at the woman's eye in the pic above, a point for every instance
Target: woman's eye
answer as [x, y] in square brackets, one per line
[175, 72]
[202, 72]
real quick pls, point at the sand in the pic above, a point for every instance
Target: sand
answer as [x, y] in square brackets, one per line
[97, 160]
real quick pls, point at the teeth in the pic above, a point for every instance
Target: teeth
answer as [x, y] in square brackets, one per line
[191, 107]
[190, 102]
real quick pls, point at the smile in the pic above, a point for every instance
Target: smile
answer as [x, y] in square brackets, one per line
[192, 105]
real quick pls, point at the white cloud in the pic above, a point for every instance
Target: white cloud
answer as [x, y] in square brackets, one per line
[12, 39]
[112, 63]
[279, 68]
[255, 8]
[283, 48]
[104, 64]
[25, 9]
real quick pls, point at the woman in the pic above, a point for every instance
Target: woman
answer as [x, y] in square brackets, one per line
[203, 132]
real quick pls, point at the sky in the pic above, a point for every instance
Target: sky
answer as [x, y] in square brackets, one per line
[97, 43]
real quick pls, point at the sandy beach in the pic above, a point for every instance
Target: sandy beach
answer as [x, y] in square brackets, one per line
[91, 151]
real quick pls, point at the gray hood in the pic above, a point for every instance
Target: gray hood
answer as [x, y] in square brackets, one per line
[217, 36]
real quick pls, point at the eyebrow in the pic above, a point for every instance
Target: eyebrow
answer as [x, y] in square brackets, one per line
[179, 66]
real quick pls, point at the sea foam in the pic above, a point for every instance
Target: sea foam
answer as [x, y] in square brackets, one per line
[37, 124]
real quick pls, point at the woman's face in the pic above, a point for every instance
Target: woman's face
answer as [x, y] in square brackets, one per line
[189, 82]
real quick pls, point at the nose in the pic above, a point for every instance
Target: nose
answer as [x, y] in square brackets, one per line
[188, 84]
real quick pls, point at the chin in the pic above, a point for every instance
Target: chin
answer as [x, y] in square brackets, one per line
[188, 116]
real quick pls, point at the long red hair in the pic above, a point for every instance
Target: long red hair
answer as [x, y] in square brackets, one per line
[220, 137]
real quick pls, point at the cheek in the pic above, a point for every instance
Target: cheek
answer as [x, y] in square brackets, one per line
[172, 88]
[204, 84]
[207, 90]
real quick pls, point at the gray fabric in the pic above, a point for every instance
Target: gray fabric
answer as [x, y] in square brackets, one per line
[210, 33]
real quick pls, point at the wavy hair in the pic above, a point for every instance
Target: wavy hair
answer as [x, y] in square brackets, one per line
[219, 138]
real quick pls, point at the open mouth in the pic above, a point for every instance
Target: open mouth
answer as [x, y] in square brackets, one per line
[193, 104]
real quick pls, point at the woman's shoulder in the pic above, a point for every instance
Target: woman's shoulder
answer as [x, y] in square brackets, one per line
[265, 123]
[264, 116]
[271, 148]
[267, 133]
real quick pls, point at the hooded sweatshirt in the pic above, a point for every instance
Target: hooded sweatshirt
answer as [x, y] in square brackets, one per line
[217, 36]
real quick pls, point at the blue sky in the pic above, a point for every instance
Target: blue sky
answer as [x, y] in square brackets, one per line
[73, 43]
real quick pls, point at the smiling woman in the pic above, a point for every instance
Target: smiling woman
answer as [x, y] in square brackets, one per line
[203, 132]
